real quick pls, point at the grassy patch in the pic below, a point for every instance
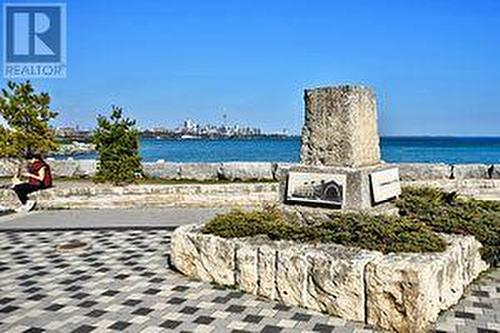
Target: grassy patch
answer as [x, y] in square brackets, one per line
[424, 212]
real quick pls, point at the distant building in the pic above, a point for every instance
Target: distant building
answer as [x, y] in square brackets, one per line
[188, 128]
[73, 133]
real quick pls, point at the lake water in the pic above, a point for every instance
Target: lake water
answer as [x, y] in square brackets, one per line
[394, 149]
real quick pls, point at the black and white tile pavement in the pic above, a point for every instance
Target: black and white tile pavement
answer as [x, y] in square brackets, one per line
[121, 283]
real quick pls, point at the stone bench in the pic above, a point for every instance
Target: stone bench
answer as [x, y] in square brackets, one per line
[397, 292]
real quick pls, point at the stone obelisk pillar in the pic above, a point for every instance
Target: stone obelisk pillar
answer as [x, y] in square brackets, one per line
[340, 127]
[340, 153]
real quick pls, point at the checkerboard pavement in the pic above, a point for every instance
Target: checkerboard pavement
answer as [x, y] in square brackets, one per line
[121, 282]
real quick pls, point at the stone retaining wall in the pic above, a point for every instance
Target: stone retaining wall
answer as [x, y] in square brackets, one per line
[483, 189]
[87, 195]
[397, 292]
[479, 181]
[258, 170]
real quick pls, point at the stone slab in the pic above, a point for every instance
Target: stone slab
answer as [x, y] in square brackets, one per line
[247, 171]
[162, 170]
[85, 194]
[86, 168]
[424, 171]
[64, 168]
[247, 258]
[200, 171]
[470, 171]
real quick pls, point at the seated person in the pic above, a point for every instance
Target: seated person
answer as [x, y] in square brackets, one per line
[39, 177]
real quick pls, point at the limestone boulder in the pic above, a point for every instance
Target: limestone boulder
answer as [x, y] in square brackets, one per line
[206, 257]
[291, 273]
[335, 280]
[64, 168]
[470, 171]
[247, 171]
[401, 292]
[406, 292]
[200, 171]
[161, 170]
[247, 276]
[266, 268]
[495, 171]
[281, 170]
[8, 167]
[423, 171]
[472, 263]
[86, 168]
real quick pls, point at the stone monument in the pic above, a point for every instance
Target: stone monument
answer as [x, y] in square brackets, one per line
[340, 155]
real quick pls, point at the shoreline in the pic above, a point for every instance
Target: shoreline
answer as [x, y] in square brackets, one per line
[463, 150]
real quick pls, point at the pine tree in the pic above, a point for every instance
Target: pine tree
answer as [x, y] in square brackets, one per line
[117, 144]
[27, 115]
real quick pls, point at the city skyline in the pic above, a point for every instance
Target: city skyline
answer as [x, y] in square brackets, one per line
[188, 129]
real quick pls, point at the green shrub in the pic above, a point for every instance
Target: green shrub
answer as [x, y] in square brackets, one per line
[448, 213]
[238, 223]
[381, 233]
[423, 213]
[117, 144]
[27, 115]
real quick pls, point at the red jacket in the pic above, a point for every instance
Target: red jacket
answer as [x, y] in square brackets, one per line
[35, 169]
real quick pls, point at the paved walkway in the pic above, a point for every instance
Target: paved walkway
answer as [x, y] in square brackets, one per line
[107, 218]
[121, 282]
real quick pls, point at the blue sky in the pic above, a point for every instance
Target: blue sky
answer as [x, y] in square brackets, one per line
[435, 65]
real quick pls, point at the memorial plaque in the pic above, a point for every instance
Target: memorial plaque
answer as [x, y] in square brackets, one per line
[340, 154]
[316, 188]
[385, 184]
